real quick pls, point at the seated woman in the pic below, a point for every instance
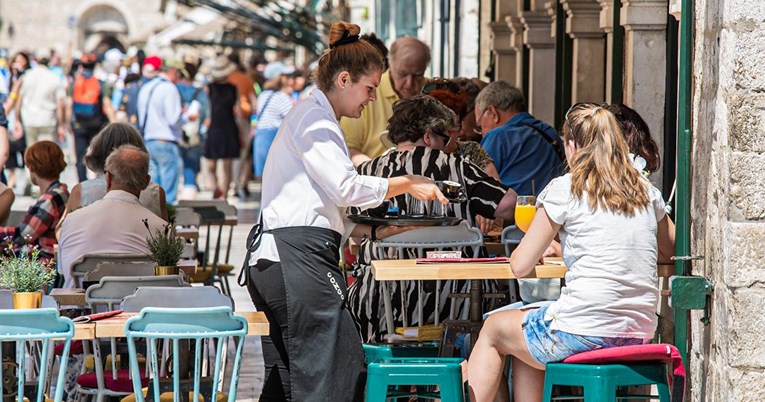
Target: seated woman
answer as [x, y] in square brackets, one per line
[612, 225]
[451, 95]
[45, 162]
[419, 127]
[110, 138]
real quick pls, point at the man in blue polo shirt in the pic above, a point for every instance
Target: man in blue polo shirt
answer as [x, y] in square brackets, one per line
[525, 150]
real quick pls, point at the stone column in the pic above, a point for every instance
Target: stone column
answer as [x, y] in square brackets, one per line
[516, 42]
[504, 51]
[588, 72]
[607, 25]
[541, 45]
[645, 43]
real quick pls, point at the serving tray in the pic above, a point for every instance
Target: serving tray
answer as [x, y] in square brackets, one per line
[405, 220]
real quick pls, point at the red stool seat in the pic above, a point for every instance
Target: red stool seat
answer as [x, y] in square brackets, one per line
[123, 383]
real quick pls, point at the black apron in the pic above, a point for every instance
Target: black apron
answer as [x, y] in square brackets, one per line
[324, 358]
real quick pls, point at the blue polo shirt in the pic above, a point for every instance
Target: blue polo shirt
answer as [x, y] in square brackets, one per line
[521, 154]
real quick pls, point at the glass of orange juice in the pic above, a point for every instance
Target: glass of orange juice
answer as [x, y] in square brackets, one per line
[525, 209]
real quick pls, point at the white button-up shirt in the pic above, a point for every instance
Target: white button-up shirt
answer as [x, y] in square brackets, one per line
[309, 178]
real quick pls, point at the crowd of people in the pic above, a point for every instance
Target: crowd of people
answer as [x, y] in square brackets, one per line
[365, 126]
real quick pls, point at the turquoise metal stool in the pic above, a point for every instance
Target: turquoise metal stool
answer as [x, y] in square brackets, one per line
[600, 382]
[445, 372]
[375, 352]
[600, 372]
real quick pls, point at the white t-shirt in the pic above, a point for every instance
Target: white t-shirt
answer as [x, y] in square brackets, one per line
[309, 179]
[611, 284]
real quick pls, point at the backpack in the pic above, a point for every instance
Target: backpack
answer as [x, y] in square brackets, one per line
[129, 103]
[86, 100]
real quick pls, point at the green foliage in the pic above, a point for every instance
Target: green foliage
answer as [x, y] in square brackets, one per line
[171, 212]
[165, 247]
[23, 271]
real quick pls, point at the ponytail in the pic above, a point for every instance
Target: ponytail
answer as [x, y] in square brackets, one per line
[601, 166]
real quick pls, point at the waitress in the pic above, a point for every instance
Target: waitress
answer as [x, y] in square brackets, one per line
[313, 352]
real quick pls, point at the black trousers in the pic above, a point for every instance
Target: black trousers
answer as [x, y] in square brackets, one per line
[313, 352]
[82, 137]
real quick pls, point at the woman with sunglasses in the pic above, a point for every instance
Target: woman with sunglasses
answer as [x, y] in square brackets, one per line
[419, 127]
[612, 225]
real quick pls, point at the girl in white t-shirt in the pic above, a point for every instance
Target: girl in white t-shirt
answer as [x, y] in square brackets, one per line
[612, 224]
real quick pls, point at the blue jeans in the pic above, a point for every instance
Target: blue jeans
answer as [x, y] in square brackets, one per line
[165, 166]
[191, 156]
[547, 345]
[260, 147]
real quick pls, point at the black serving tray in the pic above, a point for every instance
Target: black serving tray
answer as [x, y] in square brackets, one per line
[405, 220]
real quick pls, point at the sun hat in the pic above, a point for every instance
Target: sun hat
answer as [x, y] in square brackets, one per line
[276, 69]
[222, 68]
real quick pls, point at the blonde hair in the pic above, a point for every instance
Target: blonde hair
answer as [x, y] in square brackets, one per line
[601, 166]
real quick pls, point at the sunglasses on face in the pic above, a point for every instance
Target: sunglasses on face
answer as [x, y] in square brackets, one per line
[441, 85]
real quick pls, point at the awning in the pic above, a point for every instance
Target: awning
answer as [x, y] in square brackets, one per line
[196, 24]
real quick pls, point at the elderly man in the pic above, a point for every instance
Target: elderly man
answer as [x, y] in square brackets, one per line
[527, 152]
[409, 58]
[113, 224]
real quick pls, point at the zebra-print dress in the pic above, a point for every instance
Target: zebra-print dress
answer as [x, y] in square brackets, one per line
[364, 298]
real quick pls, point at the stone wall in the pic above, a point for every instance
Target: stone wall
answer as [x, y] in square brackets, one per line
[727, 360]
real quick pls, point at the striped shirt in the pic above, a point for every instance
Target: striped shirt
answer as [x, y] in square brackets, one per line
[277, 104]
[39, 225]
[484, 192]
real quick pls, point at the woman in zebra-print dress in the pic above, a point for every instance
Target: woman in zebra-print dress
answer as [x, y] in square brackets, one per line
[419, 128]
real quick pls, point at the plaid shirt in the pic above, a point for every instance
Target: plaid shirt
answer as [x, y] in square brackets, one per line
[39, 224]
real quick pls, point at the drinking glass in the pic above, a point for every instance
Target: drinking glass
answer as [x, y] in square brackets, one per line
[525, 209]
[414, 208]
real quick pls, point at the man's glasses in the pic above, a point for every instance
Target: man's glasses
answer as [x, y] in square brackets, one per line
[477, 129]
[441, 85]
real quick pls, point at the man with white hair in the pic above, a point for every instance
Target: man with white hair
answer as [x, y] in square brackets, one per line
[409, 57]
[97, 228]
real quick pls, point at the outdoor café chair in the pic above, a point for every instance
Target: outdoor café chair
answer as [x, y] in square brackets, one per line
[36, 325]
[89, 261]
[176, 325]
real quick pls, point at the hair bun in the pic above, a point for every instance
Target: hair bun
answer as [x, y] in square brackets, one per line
[342, 30]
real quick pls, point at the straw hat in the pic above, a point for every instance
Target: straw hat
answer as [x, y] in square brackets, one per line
[222, 68]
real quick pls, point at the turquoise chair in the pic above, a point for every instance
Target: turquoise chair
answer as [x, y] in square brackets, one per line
[375, 352]
[43, 325]
[200, 325]
[445, 372]
[602, 372]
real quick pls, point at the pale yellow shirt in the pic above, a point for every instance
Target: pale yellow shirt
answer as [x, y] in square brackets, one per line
[364, 133]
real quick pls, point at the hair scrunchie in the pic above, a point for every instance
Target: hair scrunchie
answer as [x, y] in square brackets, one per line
[345, 39]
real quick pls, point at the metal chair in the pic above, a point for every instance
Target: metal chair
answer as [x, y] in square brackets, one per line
[431, 238]
[120, 269]
[37, 325]
[198, 325]
[107, 295]
[89, 261]
[176, 297]
[529, 290]
[213, 213]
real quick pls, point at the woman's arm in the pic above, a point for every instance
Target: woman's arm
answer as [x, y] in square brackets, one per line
[163, 205]
[491, 170]
[75, 197]
[541, 232]
[665, 239]
[6, 201]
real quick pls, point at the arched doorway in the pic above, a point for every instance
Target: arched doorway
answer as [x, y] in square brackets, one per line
[101, 28]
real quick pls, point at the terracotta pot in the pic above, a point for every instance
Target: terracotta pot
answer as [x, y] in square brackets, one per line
[166, 270]
[25, 300]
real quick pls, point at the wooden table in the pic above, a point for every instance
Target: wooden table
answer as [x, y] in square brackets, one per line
[114, 327]
[394, 270]
[188, 233]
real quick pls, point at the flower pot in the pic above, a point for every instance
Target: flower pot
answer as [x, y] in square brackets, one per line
[166, 270]
[25, 300]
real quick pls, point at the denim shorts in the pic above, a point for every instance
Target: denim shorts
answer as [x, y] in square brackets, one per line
[548, 345]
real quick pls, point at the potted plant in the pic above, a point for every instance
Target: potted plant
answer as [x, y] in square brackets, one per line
[26, 275]
[165, 248]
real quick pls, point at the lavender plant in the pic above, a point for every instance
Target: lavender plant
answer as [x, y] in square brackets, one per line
[165, 247]
[23, 271]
